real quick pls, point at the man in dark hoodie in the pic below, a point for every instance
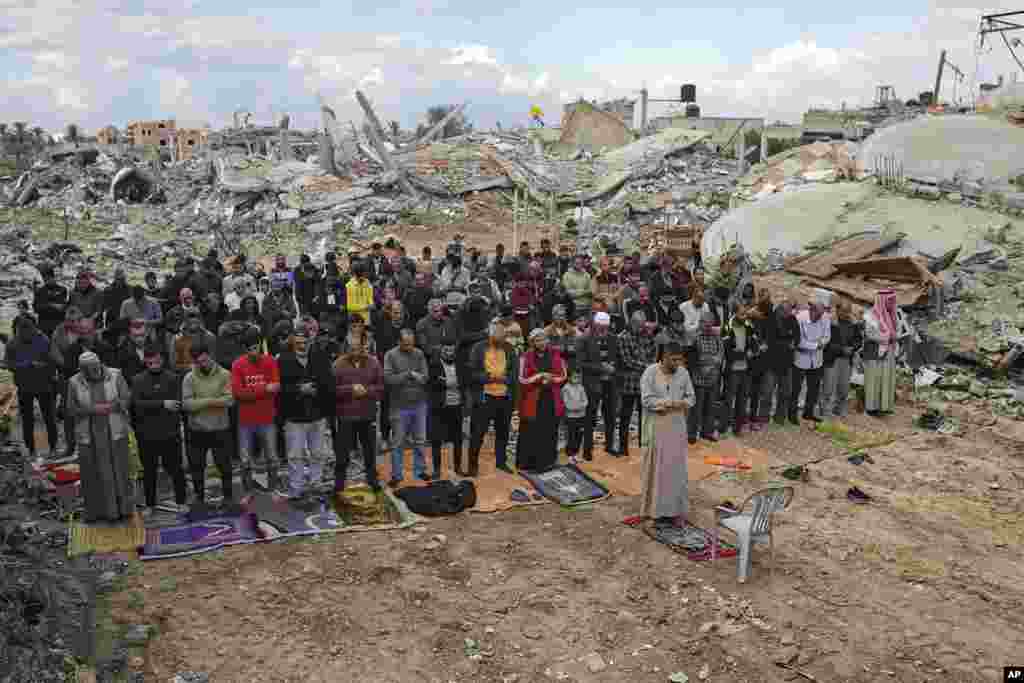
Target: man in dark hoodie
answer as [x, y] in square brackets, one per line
[156, 406]
[49, 301]
[777, 380]
[305, 381]
[307, 283]
[185, 277]
[131, 353]
[447, 385]
[417, 299]
[28, 355]
[116, 293]
[230, 340]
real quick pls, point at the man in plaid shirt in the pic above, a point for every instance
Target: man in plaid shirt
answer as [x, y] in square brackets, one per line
[707, 378]
[637, 350]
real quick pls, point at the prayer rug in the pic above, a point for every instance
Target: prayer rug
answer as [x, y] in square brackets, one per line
[199, 535]
[105, 538]
[359, 509]
[689, 540]
[566, 485]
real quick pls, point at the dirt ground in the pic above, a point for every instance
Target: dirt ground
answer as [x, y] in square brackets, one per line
[922, 584]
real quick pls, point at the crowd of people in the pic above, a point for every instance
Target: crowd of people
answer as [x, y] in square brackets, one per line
[389, 351]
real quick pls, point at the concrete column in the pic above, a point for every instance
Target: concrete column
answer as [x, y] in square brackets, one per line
[764, 144]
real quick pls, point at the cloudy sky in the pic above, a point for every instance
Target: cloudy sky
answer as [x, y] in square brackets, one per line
[108, 61]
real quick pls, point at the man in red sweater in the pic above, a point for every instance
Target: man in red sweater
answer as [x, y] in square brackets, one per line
[255, 383]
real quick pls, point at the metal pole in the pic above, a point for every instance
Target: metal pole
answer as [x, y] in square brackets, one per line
[515, 220]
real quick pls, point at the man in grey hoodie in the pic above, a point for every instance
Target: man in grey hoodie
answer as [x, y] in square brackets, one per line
[405, 375]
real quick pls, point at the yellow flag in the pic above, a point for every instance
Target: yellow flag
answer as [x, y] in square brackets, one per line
[536, 113]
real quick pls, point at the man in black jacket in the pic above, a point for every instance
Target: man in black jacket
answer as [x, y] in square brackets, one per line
[156, 404]
[446, 384]
[131, 354]
[305, 380]
[49, 302]
[28, 355]
[598, 356]
[777, 381]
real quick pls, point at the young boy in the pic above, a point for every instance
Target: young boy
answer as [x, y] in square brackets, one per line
[574, 396]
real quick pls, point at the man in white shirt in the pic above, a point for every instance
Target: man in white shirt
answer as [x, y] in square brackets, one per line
[808, 358]
[692, 310]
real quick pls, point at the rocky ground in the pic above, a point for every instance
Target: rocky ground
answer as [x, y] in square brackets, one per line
[921, 584]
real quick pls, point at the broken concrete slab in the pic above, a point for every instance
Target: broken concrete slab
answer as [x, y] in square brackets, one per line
[895, 268]
[821, 264]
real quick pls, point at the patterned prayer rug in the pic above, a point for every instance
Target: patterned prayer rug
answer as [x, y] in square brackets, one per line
[200, 534]
[566, 485]
[689, 540]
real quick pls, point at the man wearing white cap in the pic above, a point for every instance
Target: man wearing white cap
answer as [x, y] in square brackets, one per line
[598, 357]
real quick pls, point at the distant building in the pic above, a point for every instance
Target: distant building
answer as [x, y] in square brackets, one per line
[622, 108]
[151, 133]
[190, 140]
[107, 135]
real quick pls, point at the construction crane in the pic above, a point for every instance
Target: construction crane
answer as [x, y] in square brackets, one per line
[943, 62]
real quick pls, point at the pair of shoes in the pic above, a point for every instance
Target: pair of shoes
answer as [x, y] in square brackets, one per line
[794, 421]
[691, 440]
[813, 418]
[589, 457]
[711, 437]
[394, 483]
[613, 451]
[505, 468]
[424, 476]
[573, 460]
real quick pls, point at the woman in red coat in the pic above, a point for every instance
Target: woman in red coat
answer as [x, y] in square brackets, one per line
[541, 375]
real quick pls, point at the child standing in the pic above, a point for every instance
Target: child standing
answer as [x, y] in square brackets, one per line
[574, 396]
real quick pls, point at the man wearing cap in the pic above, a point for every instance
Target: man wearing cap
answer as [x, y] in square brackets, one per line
[206, 397]
[49, 301]
[598, 357]
[98, 404]
[156, 407]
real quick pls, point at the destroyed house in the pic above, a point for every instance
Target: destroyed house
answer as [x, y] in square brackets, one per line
[151, 133]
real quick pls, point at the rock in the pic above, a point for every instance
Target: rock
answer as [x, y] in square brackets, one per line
[708, 627]
[786, 655]
[704, 672]
[138, 634]
[678, 677]
[432, 545]
[955, 197]
[594, 663]
[788, 638]
[320, 228]
[288, 214]
[532, 633]
[441, 538]
[977, 389]
[191, 677]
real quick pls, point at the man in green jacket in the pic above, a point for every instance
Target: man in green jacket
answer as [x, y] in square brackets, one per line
[206, 397]
[578, 285]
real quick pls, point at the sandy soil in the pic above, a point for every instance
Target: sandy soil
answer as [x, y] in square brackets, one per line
[922, 584]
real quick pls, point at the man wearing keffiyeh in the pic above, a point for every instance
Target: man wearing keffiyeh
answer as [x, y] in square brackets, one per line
[882, 325]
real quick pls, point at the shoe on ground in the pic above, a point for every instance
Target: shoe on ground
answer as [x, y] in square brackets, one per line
[692, 440]
[424, 476]
[857, 496]
[588, 457]
[813, 418]
[794, 421]
[394, 483]
[713, 438]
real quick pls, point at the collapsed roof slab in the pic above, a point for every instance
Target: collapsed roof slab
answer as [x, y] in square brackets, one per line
[943, 147]
[793, 220]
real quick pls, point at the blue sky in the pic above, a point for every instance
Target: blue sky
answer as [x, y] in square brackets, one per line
[112, 61]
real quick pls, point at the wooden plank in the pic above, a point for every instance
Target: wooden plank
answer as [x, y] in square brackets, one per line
[821, 264]
[897, 268]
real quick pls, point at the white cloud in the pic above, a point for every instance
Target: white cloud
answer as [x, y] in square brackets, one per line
[472, 54]
[54, 45]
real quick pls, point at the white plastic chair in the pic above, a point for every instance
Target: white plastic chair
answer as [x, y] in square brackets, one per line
[753, 526]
